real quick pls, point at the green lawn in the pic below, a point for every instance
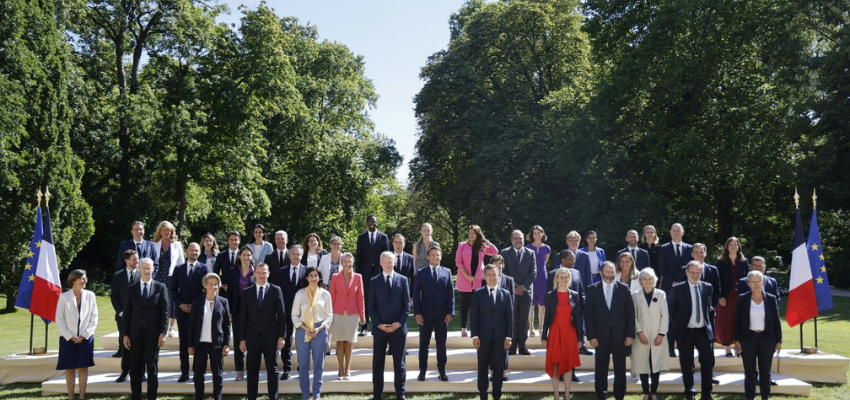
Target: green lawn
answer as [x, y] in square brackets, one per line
[833, 328]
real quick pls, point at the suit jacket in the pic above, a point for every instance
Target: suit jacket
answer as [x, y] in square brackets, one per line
[387, 308]
[187, 288]
[600, 256]
[679, 304]
[710, 275]
[287, 285]
[770, 286]
[367, 258]
[67, 316]
[233, 297]
[433, 297]
[274, 265]
[727, 280]
[522, 269]
[267, 320]
[582, 265]
[641, 257]
[491, 322]
[177, 256]
[220, 322]
[620, 319]
[120, 283]
[575, 316]
[653, 253]
[348, 298]
[223, 266]
[146, 250]
[505, 282]
[154, 312]
[669, 264]
[772, 327]
[406, 268]
[575, 284]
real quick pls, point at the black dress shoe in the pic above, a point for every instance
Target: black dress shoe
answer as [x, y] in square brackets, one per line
[117, 354]
[144, 378]
[773, 383]
[524, 352]
[584, 351]
[182, 378]
[400, 398]
[444, 377]
[505, 378]
[512, 352]
[421, 377]
[715, 380]
[284, 376]
[575, 378]
[706, 397]
[389, 351]
[121, 378]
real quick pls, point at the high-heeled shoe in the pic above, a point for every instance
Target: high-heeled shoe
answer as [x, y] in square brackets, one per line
[239, 376]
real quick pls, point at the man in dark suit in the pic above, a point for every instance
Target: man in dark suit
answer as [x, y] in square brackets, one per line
[145, 324]
[507, 283]
[610, 328]
[262, 321]
[491, 323]
[403, 261]
[567, 259]
[520, 264]
[389, 304]
[434, 307]
[640, 255]
[690, 305]
[279, 258]
[288, 279]
[367, 258]
[710, 275]
[144, 248]
[186, 283]
[582, 264]
[214, 343]
[228, 259]
[672, 256]
[120, 282]
[769, 284]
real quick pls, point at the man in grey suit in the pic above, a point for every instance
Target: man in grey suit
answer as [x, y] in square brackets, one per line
[520, 265]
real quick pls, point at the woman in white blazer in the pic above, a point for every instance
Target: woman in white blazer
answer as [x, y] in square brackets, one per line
[168, 254]
[650, 354]
[76, 318]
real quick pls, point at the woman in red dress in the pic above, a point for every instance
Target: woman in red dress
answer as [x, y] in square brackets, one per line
[733, 266]
[561, 329]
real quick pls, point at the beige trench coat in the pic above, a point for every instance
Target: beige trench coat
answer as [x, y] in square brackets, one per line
[651, 319]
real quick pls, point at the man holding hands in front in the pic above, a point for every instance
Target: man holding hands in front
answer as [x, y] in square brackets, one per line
[491, 322]
[434, 307]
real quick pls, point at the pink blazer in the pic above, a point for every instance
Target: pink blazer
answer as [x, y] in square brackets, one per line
[463, 259]
[348, 298]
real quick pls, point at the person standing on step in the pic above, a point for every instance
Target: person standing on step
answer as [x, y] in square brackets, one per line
[367, 258]
[689, 304]
[491, 322]
[262, 326]
[520, 264]
[209, 335]
[434, 307]
[389, 304]
[120, 284]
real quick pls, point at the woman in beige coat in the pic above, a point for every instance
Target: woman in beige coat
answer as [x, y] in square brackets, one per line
[650, 355]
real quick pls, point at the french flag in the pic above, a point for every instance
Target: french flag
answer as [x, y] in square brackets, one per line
[802, 302]
[46, 290]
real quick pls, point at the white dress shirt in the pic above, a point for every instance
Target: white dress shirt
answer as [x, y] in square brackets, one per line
[206, 325]
[695, 304]
[757, 316]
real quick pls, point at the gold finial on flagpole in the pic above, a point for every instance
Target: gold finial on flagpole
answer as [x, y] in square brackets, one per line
[815, 199]
[46, 197]
[39, 195]
[796, 198]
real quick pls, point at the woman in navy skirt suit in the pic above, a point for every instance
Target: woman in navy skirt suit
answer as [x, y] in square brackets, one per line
[76, 318]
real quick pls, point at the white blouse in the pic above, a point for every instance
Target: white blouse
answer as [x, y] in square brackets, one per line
[323, 310]
[757, 316]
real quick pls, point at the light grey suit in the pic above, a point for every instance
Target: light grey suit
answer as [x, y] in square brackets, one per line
[523, 268]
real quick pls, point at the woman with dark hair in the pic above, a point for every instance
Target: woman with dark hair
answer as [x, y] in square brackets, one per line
[240, 278]
[470, 269]
[260, 246]
[561, 329]
[313, 250]
[649, 242]
[209, 251]
[312, 315]
[733, 265]
[542, 252]
[209, 335]
[76, 318]
[596, 254]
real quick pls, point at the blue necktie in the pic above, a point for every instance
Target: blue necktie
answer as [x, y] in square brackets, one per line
[145, 294]
[389, 286]
[260, 297]
[608, 296]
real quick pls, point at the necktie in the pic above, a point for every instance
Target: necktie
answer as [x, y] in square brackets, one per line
[389, 287]
[139, 248]
[398, 262]
[281, 257]
[608, 296]
[260, 296]
[517, 254]
[678, 251]
[295, 274]
[132, 277]
[372, 239]
[232, 258]
[633, 254]
[493, 295]
[433, 273]
[191, 267]
[698, 303]
[145, 294]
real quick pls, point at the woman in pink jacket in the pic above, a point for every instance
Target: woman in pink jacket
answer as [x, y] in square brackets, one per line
[349, 312]
[470, 270]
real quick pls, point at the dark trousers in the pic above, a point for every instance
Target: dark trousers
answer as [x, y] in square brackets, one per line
[491, 356]
[646, 386]
[756, 351]
[696, 337]
[238, 355]
[286, 351]
[203, 351]
[608, 346]
[440, 329]
[465, 303]
[144, 354]
[265, 349]
[185, 340]
[367, 281]
[397, 342]
[522, 307]
[125, 355]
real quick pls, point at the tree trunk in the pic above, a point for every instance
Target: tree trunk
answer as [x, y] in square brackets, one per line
[181, 183]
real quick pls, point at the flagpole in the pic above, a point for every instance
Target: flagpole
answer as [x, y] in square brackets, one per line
[46, 205]
[797, 205]
[814, 208]
[32, 316]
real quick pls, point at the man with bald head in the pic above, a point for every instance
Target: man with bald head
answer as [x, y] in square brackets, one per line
[640, 255]
[520, 264]
[672, 256]
[388, 304]
[186, 284]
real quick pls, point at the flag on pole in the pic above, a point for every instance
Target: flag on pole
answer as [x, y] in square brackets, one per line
[46, 291]
[802, 303]
[28, 277]
[818, 265]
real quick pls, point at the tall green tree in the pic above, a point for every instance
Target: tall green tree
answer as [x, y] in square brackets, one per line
[34, 138]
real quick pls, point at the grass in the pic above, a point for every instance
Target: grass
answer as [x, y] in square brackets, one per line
[833, 327]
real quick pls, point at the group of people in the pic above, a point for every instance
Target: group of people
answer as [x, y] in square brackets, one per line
[265, 297]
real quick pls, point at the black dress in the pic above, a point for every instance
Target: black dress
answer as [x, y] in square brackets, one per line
[163, 277]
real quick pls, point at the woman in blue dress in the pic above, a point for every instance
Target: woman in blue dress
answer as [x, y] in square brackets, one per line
[538, 289]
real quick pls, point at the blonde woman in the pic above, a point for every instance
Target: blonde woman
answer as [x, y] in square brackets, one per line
[650, 353]
[649, 242]
[561, 329]
[421, 247]
[209, 251]
[168, 251]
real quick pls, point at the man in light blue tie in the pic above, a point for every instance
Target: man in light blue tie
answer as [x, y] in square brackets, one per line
[690, 305]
